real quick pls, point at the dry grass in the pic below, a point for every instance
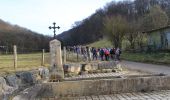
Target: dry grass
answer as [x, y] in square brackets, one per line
[25, 62]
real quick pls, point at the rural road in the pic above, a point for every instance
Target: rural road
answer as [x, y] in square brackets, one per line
[147, 67]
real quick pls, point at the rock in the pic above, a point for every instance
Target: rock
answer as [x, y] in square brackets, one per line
[26, 78]
[5, 90]
[12, 80]
[44, 73]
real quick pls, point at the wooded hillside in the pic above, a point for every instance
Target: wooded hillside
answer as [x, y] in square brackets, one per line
[26, 40]
[118, 21]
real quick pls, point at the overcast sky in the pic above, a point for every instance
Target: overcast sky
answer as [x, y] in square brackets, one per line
[38, 15]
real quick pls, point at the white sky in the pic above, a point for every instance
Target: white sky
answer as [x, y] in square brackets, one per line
[38, 15]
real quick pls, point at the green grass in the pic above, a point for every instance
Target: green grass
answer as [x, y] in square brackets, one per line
[25, 62]
[101, 44]
[156, 58]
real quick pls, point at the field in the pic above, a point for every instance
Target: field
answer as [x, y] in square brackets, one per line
[25, 62]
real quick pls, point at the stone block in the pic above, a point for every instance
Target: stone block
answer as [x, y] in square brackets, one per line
[88, 67]
[107, 65]
[72, 68]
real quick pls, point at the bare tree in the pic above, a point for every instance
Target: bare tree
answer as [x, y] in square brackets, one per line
[115, 28]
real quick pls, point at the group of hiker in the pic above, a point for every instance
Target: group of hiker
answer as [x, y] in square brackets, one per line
[106, 53]
[92, 53]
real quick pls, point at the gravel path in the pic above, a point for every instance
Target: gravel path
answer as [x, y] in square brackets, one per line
[147, 67]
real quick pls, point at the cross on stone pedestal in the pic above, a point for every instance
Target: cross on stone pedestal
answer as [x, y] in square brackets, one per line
[54, 27]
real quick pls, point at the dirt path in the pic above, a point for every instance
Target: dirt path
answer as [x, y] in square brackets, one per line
[147, 67]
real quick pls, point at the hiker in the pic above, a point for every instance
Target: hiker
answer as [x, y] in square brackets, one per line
[94, 52]
[84, 53]
[112, 52]
[106, 52]
[101, 52]
[117, 54]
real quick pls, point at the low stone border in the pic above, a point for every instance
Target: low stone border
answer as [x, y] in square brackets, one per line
[77, 68]
[106, 86]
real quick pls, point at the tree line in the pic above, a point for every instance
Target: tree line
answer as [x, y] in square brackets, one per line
[26, 40]
[119, 21]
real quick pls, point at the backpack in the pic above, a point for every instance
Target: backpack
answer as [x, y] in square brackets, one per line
[107, 52]
[101, 52]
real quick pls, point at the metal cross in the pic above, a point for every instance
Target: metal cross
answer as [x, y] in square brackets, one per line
[54, 27]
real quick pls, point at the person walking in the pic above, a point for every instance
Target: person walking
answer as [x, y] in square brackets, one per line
[117, 54]
[101, 52]
[106, 52]
[112, 53]
[94, 51]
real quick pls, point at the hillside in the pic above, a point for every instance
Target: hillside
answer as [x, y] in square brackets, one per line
[25, 39]
[118, 18]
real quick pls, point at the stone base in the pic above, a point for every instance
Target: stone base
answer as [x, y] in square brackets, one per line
[108, 86]
[56, 75]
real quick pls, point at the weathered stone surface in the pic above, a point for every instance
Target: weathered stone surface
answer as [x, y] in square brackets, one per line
[94, 66]
[29, 93]
[72, 68]
[44, 73]
[5, 90]
[88, 67]
[154, 95]
[11, 84]
[107, 65]
[56, 58]
[109, 86]
[26, 78]
[12, 80]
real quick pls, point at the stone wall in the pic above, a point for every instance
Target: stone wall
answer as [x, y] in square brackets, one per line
[107, 86]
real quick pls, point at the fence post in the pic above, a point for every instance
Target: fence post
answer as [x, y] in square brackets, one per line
[77, 56]
[64, 49]
[42, 60]
[15, 56]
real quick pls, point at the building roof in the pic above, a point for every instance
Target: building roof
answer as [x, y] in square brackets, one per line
[158, 29]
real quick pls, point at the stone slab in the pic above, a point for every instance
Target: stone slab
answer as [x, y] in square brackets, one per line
[109, 86]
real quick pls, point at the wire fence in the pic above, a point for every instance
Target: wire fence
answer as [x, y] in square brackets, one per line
[24, 61]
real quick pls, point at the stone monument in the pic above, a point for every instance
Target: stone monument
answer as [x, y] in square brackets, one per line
[56, 68]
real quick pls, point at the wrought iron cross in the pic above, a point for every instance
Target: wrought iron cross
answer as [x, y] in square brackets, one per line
[54, 27]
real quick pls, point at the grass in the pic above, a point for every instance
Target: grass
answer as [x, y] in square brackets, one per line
[101, 44]
[155, 58]
[25, 62]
